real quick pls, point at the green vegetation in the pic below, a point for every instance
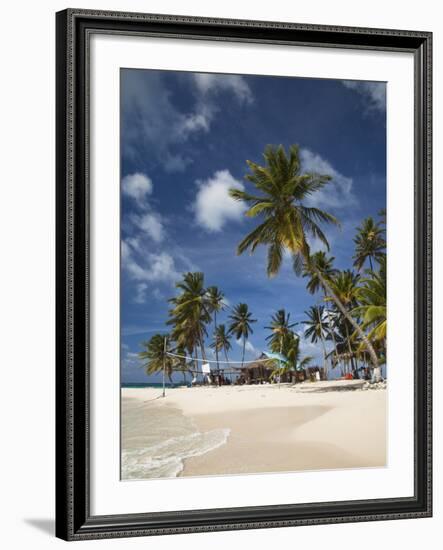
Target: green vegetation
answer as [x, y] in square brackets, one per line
[352, 312]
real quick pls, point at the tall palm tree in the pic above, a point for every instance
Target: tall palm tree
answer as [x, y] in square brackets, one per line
[190, 314]
[369, 242]
[279, 328]
[221, 341]
[291, 351]
[345, 287]
[215, 304]
[155, 357]
[317, 329]
[179, 362]
[241, 320]
[287, 222]
[372, 303]
[324, 265]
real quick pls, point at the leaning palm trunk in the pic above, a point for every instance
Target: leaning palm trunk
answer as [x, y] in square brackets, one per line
[243, 354]
[357, 327]
[348, 340]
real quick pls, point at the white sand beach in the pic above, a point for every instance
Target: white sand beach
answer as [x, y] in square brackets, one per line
[251, 429]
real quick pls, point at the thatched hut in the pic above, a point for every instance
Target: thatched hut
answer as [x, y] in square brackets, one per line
[256, 373]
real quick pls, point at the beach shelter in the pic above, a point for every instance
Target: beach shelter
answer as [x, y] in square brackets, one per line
[280, 358]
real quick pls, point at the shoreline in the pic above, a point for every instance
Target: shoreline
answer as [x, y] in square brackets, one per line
[274, 429]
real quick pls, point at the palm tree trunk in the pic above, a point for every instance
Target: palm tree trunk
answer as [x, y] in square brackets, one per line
[370, 263]
[227, 362]
[202, 346]
[196, 364]
[243, 354]
[348, 340]
[357, 327]
[324, 354]
[215, 335]
[332, 332]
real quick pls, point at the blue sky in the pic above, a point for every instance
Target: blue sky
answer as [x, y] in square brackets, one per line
[185, 138]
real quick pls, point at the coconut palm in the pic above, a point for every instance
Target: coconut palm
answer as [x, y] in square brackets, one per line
[241, 320]
[190, 314]
[155, 357]
[324, 265]
[317, 329]
[345, 287]
[290, 349]
[179, 361]
[214, 299]
[369, 243]
[279, 328]
[372, 303]
[287, 223]
[222, 342]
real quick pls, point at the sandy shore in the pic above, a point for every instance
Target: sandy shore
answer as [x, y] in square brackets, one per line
[275, 429]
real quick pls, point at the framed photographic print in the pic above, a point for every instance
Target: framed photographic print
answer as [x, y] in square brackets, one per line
[243, 274]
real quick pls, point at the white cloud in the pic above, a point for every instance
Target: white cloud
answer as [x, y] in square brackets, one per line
[373, 92]
[248, 347]
[130, 359]
[151, 224]
[151, 267]
[200, 120]
[335, 194]
[213, 83]
[140, 293]
[213, 206]
[157, 294]
[153, 122]
[137, 186]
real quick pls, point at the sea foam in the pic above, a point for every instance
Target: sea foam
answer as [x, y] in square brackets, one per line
[157, 440]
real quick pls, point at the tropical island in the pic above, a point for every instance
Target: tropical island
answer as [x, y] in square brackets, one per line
[352, 311]
[228, 405]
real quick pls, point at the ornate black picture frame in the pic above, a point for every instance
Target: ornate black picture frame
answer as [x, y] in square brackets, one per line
[74, 520]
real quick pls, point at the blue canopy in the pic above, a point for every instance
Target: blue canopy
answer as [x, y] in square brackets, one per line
[280, 357]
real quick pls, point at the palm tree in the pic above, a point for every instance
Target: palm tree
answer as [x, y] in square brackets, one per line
[190, 314]
[179, 362]
[369, 243]
[345, 287]
[287, 222]
[372, 304]
[155, 355]
[317, 329]
[222, 342]
[291, 351]
[240, 326]
[324, 265]
[280, 327]
[215, 304]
